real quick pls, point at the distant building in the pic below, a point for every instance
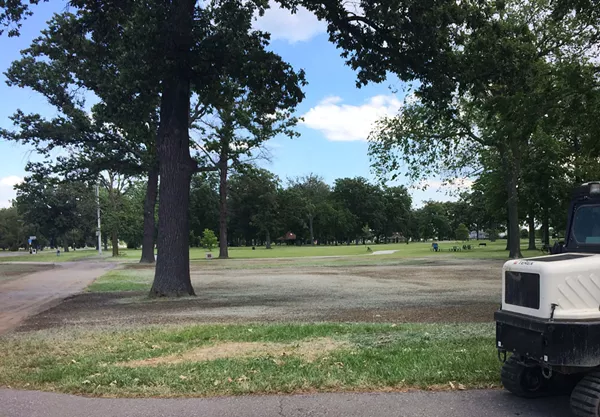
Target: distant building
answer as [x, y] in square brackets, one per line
[482, 235]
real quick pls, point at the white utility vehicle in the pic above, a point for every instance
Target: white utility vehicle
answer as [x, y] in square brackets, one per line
[550, 316]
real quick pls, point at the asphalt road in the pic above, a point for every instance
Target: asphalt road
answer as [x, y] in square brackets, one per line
[484, 403]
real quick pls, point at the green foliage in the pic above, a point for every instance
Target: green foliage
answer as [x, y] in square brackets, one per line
[366, 232]
[311, 193]
[204, 205]
[254, 204]
[364, 201]
[492, 234]
[434, 220]
[462, 232]
[209, 239]
[131, 214]
[12, 233]
[62, 212]
[13, 12]
[512, 78]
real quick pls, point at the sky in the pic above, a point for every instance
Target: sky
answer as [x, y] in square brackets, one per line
[338, 116]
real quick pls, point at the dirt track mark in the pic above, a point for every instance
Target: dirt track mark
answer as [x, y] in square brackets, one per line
[442, 293]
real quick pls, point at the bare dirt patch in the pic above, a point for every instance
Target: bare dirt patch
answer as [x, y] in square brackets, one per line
[439, 291]
[309, 350]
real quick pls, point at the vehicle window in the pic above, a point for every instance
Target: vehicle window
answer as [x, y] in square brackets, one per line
[586, 224]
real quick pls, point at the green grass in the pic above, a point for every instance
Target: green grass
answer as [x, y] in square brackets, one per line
[369, 357]
[123, 280]
[49, 255]
[493, 250]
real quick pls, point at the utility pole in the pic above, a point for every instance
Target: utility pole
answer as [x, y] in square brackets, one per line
[98, 233]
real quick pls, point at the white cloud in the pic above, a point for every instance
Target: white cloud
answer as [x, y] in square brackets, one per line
[344, 122]
[7, 192]
[282, 24]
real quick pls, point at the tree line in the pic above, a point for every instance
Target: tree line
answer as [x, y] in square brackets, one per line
[262, 209]
[506, 92]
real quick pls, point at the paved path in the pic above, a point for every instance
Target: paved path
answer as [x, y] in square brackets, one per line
[4, 254]
[33, 293]
[492, 403]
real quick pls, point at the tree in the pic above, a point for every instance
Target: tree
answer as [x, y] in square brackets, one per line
[114, 206]
[366, 233]
[495, 110]
[57, 209]
[244, 122]
[12, 235]
[462, 232]
[312, 193]
[63, 65]
[13, 12]
[397, 212]
[254, 205]
[363, 200]
[291, 216]
[201, 45]
[434, 221]
[204, 204]
[209, 239]
[132, 215]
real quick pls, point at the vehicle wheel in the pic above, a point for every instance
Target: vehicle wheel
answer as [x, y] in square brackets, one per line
[585, 399]
[523, 381]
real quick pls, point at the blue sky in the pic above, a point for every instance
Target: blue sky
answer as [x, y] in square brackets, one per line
[338, 116]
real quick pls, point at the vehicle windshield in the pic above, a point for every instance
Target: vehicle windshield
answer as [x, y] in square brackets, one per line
[586, 225]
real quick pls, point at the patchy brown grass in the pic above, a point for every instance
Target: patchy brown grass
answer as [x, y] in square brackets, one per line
[308, 350]
[8, 271]
[228, 360]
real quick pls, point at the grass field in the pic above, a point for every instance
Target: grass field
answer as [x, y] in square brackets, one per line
[123, 280]
[50, 256]
[492, 250]
[241, 359]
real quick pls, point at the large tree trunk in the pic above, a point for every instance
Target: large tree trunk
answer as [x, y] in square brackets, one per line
[149, 223]
[223, 249]
[310, 226]
[531, 224]
[514, 238]
[546, 226]
[268, 239]
[172, 275]
[114, 239]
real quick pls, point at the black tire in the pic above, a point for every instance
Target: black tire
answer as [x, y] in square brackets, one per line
[585, 399]
[523, 381]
